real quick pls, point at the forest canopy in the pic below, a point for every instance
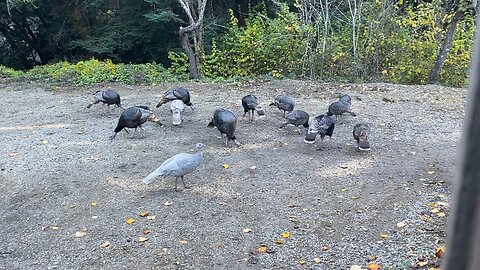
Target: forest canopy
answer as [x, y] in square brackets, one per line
[402, 41]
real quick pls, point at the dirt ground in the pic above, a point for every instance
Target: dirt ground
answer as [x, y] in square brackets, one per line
[67, 191]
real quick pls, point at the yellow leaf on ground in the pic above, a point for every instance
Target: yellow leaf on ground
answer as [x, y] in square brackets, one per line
[317, 260]
[130, 221]
[279, 242]
[226, 166]
[374, 266]
[253, 167]
[167, 203]
[302, 262]
[293, 218]
[142, 239]
[105, 244]
[384, 235]
[247, 230]
[422, 264]
[441, 214]
[55, 228]
[354, 197]
[93, 203]
[325, 247]
[183, 242]
[286, 235]
[144, 213]
[430, 172]
[151, 217]
[343, 189]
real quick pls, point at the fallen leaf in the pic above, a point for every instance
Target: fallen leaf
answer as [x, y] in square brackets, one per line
[440, 251]
[80, 234]
[302, 262]
[226, 166]
[144, 213]
[55, 228]
[247, 230]
[356, 267]
[317, 260]
[401, 224]
[146, 231]
[279, 242]
[262, 249]
[325, 247]
[94, 217]
[167, 203]
[286, 235]
[253, 168]
[305, 209]
[130, 221]
[435, 210]
[12, 154]
[142, 239]
[93, 203]
[105, 244]
[384, 235]
[430, 172]
[441, 214]
[421, 264]
[354, 197]
[293, 218]
[374, 266]
[183, 242]
[343, 189]
[151, 217]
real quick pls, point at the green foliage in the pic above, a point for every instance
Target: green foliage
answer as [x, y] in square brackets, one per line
[93, 71]
[263, 46]
[179, 65]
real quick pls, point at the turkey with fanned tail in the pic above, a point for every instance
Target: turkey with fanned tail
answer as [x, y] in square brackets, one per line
[322, 125]
[250, 104]
[283, 103]
[226, 122]
[134, 117]
[361, 133]
[178, 166]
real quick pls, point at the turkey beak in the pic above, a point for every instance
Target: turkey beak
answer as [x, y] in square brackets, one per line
[162, 101]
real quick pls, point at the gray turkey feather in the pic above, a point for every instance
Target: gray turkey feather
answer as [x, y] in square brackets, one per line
[177, 108]
[341, 106]
[178, 166]
[250, 104]
[322, 125]
[361, 133]
[226, 122]
[297, 118]
[284, 103]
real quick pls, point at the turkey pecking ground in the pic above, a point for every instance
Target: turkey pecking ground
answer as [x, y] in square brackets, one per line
[67, 191]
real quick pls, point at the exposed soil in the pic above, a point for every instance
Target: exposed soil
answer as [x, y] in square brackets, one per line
[341, 207]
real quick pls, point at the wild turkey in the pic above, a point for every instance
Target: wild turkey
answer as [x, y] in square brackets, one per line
[177, 108]
[250, 104]
[361, 132]
[226, 123]
[322, 125]
[107, 97]
[178, 166]
[177, 93]
[341, 106]
[297, 118]
[283, 103]
[134, 117]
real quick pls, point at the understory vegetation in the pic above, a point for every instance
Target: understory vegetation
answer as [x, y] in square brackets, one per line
[352, 41]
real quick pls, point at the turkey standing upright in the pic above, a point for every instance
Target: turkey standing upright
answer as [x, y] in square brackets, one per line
[341, 106]
[250, 104]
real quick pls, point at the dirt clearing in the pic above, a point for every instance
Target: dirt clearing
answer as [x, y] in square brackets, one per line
[67, 191]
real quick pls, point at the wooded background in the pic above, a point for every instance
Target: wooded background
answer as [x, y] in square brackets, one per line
[399, 41]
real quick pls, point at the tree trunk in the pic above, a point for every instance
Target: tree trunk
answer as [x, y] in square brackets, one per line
[443, 51]
[195, 27]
